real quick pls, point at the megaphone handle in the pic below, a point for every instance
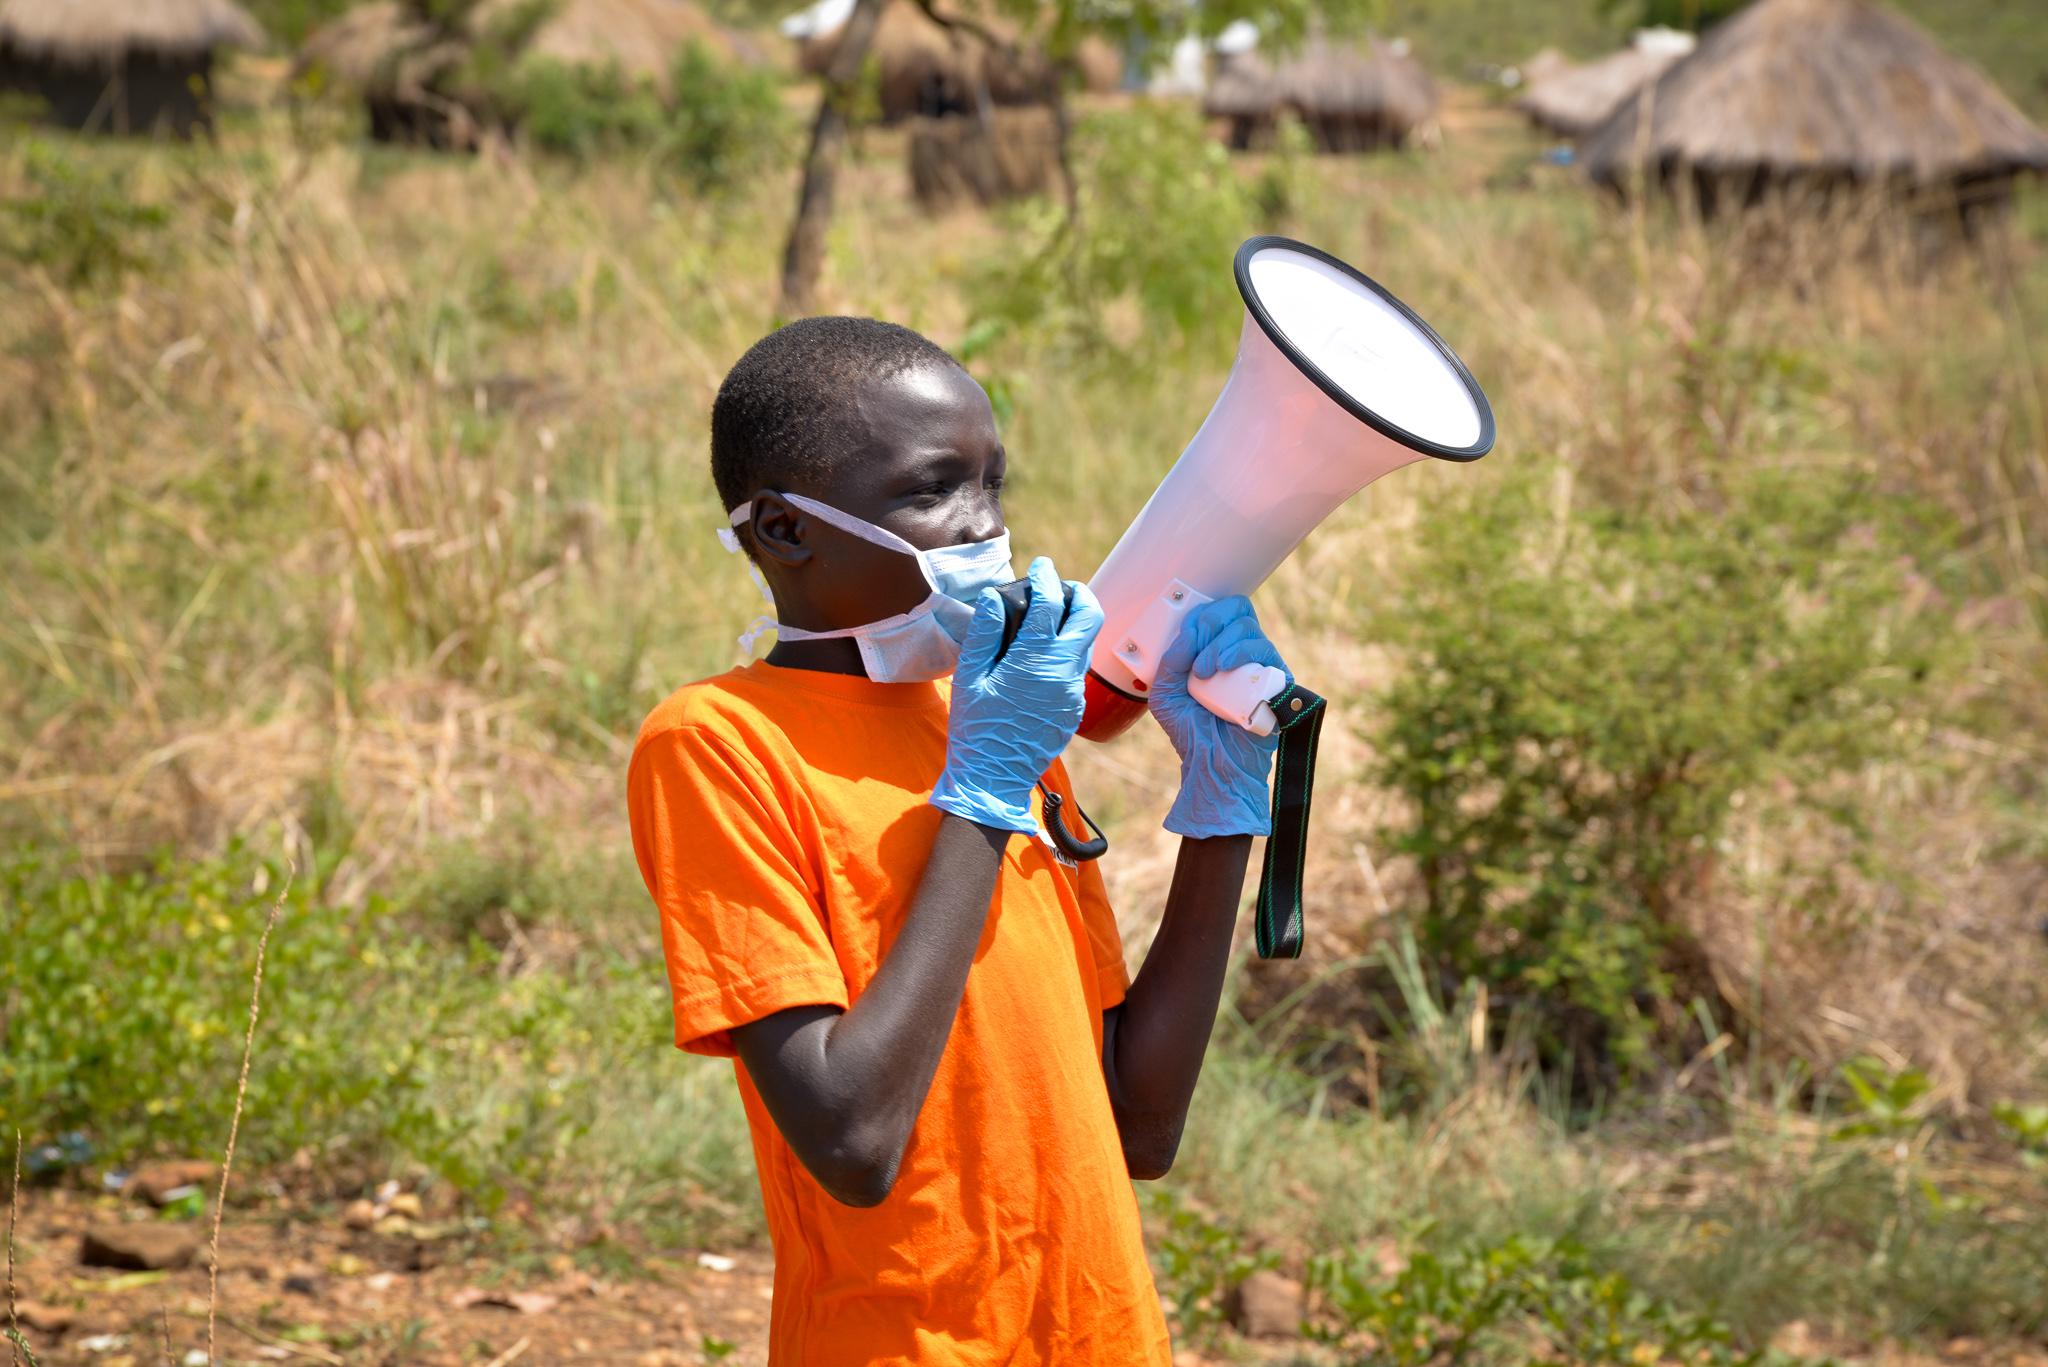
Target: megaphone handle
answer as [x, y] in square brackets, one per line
[1277, 923]
[1240, 695]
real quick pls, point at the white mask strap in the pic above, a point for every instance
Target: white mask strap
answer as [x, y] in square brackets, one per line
[845, 522]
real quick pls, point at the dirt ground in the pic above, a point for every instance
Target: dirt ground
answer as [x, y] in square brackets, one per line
[300, 1288]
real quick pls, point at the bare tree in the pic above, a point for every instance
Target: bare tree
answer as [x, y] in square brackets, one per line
[805, 257]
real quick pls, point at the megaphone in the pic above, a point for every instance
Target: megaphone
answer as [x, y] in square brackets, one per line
[1336, 383]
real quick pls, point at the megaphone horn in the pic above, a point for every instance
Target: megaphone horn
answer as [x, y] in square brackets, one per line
[1336, 383]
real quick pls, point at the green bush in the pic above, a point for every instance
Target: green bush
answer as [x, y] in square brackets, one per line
[124, 1001]
[723, 125]
[717, 126]
[583, 110]
[1589, 692]
[1520, 1300]
[81, 225]
[1162, 214]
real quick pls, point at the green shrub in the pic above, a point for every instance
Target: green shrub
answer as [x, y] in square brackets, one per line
[582, 110]
[81, 224]
[1162, 213]
[1588, 693]
[126, 1000]
[1520, 1300]
[123, 1003]
[723, 124]
[717, 126]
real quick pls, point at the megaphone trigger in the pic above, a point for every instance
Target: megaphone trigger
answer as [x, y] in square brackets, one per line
[1016, 596]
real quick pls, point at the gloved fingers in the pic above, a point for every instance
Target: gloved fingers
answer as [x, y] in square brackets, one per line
[1232, 640]
[984, 639]
[1084, 619]
[1048, 600]
[1200, 626]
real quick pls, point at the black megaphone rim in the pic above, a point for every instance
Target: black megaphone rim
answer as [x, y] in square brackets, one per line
[1253, 246]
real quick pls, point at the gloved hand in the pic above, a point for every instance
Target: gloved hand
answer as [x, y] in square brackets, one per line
[1223, 767]
[1012, 717]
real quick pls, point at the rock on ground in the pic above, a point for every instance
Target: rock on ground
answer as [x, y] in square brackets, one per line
[1266, 1305]
[140, 1247]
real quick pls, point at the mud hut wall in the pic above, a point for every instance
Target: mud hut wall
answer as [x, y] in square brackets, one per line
[145, 92]
[957, 160]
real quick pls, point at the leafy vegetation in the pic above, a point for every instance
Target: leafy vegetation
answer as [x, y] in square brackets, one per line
[80, 223]
[720, 124]
[1520, 1300]
[1592, 690]
[386, 1038]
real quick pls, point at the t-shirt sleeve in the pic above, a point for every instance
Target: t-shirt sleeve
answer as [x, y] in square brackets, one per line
[719, 847]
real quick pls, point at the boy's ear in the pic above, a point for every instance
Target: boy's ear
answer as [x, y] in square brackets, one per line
[779, 529]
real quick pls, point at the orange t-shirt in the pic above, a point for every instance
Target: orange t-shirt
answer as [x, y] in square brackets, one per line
[781, 822]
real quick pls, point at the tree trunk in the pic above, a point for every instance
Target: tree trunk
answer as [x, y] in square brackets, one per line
[804, 259]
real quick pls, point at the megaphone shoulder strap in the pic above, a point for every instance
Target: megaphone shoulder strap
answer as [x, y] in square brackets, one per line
[1298, 715]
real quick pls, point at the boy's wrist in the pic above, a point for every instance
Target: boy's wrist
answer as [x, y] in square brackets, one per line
[976, 803]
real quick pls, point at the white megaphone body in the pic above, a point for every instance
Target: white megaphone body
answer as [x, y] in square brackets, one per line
[1336, 383]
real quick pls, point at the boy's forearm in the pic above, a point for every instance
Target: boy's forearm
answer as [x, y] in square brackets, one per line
[845, 1088]
[1153, 1044]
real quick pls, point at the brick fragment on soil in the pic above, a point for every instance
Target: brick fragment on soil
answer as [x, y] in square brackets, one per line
[1266, 1305]
[140, 1247]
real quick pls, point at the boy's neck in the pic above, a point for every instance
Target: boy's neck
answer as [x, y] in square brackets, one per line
[839, 656]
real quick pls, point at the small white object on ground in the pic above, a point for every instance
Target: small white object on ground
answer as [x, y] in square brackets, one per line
[716, 1262]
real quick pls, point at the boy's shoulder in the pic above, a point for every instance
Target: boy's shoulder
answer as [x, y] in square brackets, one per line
[759, 702]
[737, 701]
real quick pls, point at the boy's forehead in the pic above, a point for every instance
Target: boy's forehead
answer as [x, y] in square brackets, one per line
[914, 424]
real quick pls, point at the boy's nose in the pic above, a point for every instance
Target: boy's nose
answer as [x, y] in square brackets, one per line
[983, 524]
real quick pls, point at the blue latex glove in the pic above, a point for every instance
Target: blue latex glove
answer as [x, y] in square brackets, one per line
[1223, 767]
[1011, 718]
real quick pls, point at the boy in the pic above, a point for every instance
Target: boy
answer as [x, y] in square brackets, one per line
[949, 1080]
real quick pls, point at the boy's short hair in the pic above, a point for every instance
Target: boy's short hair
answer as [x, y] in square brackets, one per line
[781, 411]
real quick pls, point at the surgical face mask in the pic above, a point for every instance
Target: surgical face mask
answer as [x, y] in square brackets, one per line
[910, 647]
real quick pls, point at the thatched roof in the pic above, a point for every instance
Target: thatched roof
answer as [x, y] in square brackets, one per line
[1546, 65]
[641, 36]
[82, 31]
[1327, 81]
[923, 63]
[1576, 100]
[1843, 87]
[385, 45]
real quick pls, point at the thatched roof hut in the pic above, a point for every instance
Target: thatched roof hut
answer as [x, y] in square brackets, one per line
[121, 66]
[641, 37]
[1812, 95]
[1576, 100]
[398, 60]
[930, 71]
[1349, 99]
